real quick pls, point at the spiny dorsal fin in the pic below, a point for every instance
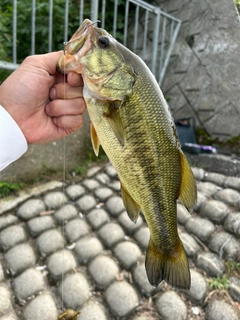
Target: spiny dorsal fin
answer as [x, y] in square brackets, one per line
[94, 139]
[115, 122]
[131, 206]
[188, 190]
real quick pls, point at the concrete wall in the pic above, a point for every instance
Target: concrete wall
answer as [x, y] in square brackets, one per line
[203, 77]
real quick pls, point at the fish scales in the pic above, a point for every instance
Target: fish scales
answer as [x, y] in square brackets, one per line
[131, 120]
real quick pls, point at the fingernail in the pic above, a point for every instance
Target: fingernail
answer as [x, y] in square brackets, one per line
[52, 93]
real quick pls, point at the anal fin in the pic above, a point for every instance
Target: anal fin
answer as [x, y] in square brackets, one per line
[131, 206]
[188, 189]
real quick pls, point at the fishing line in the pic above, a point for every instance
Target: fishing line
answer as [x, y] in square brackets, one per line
[64, 169]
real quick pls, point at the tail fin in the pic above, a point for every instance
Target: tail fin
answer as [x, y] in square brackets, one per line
[173, 267]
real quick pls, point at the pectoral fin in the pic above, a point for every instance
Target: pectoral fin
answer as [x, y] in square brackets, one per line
[188, 190]
[115, 122]
[131, 206]
[94, 139]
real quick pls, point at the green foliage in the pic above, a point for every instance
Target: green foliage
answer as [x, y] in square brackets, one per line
[82, 169]
[7, 188]
[220, 283]
[233, 267]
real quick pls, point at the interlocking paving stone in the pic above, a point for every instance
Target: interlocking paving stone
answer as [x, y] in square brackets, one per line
[182, 214]
[93, 311]
[74, 290]
[207, 188]
[171, 307]
[142, 236]
[28, 283]
[97, 217]
[232, 223]
[11, 236]
[86, 203]
[115, 206]
[1, 272]
[87, 248]
[55, 199]
[115, 185]
[76, 229]
[216, 178]
[202, 228]
[200, 199]
[104, 234]
[5, 301]
[198, 173]
[103, 178]
[214, 210]
[31, 209]
[225, 245]
[49, 242]
[127, 253]
[235, 288]
[199, 287]
[9, 316]
[41, 308]
[211, 263]
[127, 224]
[40, 224]
[19, 258]
[103, 270]
[7, 220]
[103, 193]
[60, 263]
[229, 196]
[91, 184]
[221, 310]
[75, 191]
[92, 171]
[111, 233]
[122, 298]
[232, 182]
[140, 277]
[66, 213]
[190, 244]
[110, 170]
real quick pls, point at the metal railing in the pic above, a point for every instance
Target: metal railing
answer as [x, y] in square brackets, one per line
[146, 29]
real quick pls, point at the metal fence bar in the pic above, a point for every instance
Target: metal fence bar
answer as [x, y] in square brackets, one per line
[81, 12]
[94, 10]
[50, 25]
[66, 21]
[33, 26]
[126, 23]
[115, 18]
[103, 13]
[14, 58]
[155, 42]
[145, 34]
[136, 28]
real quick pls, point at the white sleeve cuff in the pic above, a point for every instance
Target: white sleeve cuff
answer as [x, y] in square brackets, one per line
[12, 141]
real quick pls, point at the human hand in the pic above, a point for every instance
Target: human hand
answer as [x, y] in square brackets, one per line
[44, 105]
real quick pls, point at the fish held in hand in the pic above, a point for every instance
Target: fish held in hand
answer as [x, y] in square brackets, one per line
[131, 120]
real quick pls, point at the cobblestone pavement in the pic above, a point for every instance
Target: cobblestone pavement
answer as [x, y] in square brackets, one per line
[73, 246]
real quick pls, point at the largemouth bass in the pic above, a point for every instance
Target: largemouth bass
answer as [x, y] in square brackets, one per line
[131, 120]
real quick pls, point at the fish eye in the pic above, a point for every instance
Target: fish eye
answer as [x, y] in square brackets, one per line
[103, 42]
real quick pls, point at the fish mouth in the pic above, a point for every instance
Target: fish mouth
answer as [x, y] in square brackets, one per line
[75, 48]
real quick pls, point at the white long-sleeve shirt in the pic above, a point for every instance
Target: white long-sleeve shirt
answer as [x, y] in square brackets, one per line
[12, 141]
